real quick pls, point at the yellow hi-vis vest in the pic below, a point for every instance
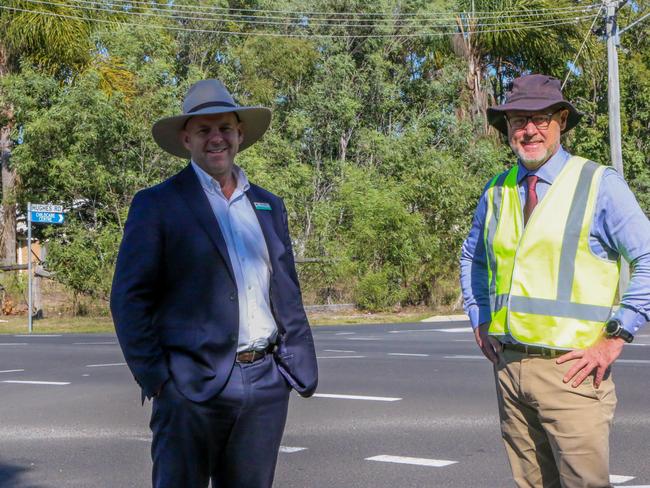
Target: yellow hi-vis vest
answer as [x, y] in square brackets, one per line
[547, 288]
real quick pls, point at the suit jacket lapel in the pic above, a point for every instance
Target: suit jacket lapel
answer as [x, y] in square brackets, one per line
[265, 218]
[190, 189]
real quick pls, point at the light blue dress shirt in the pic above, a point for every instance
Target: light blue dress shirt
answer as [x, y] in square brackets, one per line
[619, 228]
[249, 258]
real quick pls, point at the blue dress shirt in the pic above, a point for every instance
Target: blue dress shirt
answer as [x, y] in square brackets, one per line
[620, 228]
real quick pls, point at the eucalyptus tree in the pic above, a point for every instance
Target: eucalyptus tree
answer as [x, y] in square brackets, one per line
[501, 39]
[51, 37]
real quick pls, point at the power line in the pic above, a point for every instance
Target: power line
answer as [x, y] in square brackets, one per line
[357, 17]
[170, 15]
[547, 24]
[583, 45]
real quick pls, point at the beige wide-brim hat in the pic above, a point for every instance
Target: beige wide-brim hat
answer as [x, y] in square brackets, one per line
[208, 97]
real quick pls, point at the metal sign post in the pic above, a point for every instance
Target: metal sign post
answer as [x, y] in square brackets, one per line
[29, 267]
[43, 214]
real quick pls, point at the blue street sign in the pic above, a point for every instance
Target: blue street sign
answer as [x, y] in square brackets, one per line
[47, 217]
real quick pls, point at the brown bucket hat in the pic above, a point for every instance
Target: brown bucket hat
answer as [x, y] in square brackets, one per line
[532, 93]
[208, 97]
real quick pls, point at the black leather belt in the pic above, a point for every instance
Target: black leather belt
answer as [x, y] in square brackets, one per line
[252, 355]
[544, 352]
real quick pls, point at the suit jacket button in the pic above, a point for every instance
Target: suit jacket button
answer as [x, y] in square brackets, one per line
[232, 297]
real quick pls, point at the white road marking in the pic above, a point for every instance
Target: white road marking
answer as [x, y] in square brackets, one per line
[357, 397]
[54, 383]
[85, 374]
[411, 330]
[436, 463]
[634, 344]
[93, 343]
[12, 370]
[13, 343]
[340, 357]
[288, 449]
[463, 356]
[634, 361]
[363, 338]
[408, 354]
[615, 478]
[345, 333]
[37, 335]
[456, 330]
[464, 340]
[104, 365]
[337, 350]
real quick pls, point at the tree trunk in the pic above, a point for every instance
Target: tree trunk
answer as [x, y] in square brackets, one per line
[8, 211]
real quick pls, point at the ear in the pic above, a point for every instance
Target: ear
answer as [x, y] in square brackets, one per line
[185, 139]
[564, 116]
[240, 129]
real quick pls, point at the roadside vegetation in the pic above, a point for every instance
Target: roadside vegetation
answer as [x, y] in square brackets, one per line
[379, 145]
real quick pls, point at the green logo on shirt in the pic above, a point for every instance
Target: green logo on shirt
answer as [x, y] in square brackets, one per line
[262, 206]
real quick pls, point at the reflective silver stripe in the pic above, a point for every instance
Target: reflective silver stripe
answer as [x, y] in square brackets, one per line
[559, 308]
[572, 230]
[500, 302]
[492, 230]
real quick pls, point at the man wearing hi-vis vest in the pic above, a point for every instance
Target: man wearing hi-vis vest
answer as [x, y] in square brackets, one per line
[539, 273]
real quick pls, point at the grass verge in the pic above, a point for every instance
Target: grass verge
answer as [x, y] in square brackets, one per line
[101, 325]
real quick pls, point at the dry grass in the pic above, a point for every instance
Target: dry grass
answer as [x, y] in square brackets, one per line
[17, 324]
[57, 325]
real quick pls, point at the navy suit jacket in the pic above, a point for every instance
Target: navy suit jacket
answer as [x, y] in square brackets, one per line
[174, 297]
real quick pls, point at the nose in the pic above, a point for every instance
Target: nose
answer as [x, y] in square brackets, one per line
[530, 128]
[215, 135]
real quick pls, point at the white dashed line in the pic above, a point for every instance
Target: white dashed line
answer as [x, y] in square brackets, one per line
[92, 343]
[634, 361]
[435, 463]
[12, 371]
[357, 397]
[53, 383]
[13, 343]
[340, 357]
[615, 478]
[37, 335]
[104, 365]
[345, 333]
[462, 356]
[288, 449]
[408, 354]
[337, 350]
[411, 330]
[363, 338]
[456, 330]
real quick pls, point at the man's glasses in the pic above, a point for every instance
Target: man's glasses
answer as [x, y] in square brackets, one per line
[541, 121]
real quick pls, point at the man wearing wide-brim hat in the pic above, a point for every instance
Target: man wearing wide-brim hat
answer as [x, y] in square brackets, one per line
[539, 273]
[207, 306]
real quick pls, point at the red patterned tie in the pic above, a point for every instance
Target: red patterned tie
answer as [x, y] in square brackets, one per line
[531, 198]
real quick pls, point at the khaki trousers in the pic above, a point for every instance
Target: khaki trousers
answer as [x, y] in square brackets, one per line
[555, 435]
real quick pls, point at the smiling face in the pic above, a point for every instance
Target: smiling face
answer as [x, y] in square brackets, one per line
[213, 141]
[533, 144]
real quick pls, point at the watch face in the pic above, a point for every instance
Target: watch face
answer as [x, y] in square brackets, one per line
[612, 327]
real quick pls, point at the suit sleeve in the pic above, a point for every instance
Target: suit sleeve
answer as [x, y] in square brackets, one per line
[135, 292]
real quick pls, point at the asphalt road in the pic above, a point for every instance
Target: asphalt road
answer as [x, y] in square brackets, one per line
[427, 405]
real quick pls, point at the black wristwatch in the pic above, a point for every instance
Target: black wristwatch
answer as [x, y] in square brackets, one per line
[614, 328]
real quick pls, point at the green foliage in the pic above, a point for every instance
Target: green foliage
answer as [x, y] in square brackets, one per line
[370, 146]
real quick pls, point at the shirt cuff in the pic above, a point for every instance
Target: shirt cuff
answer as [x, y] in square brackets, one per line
[478, 315]
[630, 319]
